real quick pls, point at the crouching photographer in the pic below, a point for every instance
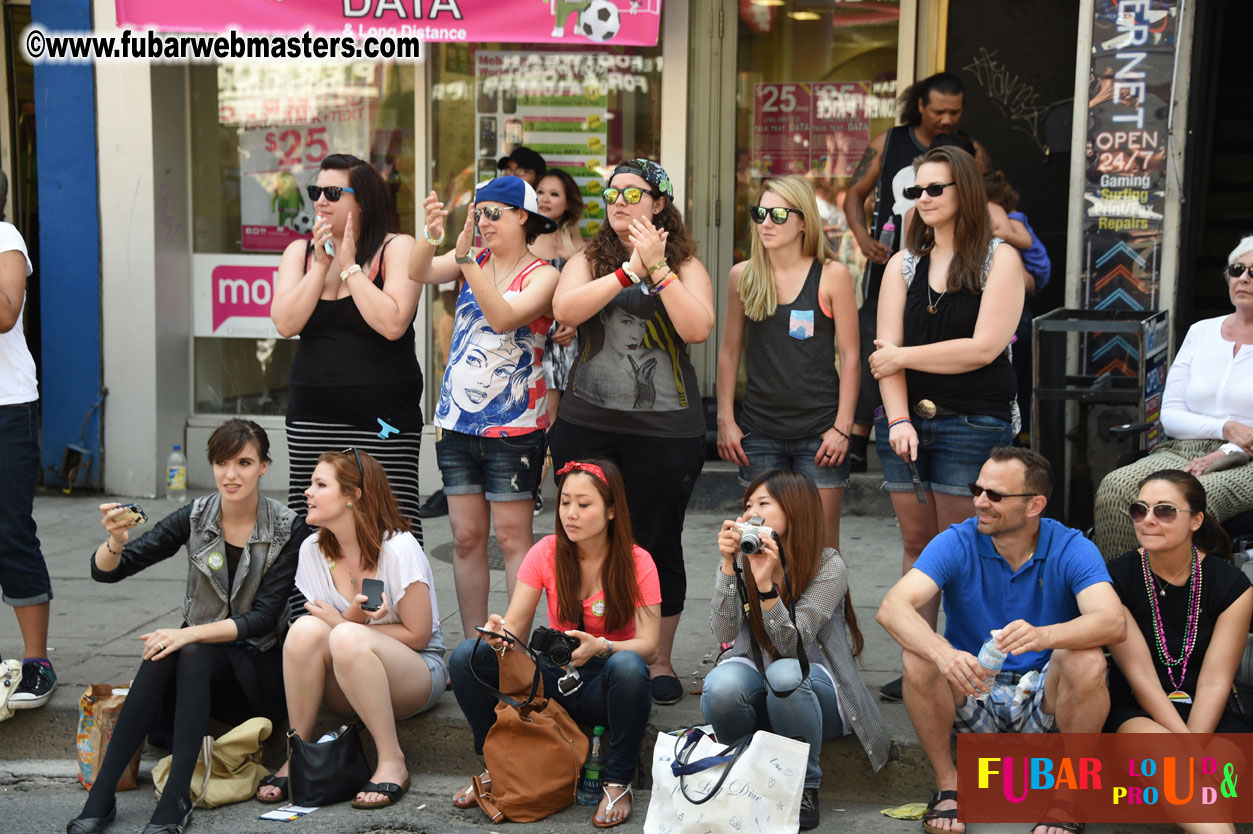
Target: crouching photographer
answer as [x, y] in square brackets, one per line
[792, 668]
[604, 602]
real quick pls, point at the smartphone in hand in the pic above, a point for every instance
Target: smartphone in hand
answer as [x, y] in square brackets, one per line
[141, 517]
[373, 590]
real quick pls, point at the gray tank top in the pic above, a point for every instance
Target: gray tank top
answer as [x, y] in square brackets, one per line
[793, 388]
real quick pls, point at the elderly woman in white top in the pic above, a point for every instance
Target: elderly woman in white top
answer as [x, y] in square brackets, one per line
[1207, 411]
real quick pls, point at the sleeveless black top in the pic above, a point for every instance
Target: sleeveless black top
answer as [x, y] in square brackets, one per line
[900, 148]
[793, 389]
[347, 372]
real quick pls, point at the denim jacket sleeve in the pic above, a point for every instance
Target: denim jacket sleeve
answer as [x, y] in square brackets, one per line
[270, 606]
[158, 544]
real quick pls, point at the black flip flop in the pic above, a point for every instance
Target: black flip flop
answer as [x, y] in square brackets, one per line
[279, 782]
[931, 814]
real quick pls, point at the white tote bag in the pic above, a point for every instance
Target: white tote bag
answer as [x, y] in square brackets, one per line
[10, 677]
[753, 787]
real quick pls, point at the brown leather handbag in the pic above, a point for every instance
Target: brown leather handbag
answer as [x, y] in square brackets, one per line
[533, 751]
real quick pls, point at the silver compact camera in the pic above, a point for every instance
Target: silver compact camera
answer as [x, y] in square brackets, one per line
[753, 534]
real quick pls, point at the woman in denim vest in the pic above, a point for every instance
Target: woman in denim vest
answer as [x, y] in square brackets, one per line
[224, 660]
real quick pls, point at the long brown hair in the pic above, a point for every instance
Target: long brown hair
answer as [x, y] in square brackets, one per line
[374, 509]
[617, 577]
[606, 252]
[972, 229]
[1210, 537]
[797, 496]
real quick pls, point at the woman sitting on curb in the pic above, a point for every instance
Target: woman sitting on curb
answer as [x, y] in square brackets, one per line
[378, 664]
[601, 589]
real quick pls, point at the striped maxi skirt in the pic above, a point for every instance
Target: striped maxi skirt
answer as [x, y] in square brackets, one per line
[398, 454]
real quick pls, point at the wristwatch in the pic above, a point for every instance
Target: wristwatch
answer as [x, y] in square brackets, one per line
[773, 593]
[464, 259]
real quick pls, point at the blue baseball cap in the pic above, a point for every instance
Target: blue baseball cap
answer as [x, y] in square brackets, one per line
[516, 192]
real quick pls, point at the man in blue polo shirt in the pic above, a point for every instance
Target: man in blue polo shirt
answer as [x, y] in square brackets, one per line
[1043, 586]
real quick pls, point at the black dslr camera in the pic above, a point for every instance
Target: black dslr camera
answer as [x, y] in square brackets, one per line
[557, 649]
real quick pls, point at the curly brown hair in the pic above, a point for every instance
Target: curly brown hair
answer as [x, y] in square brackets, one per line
[606, 252]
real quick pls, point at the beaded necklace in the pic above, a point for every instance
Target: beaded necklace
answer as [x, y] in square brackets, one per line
[1159, 631]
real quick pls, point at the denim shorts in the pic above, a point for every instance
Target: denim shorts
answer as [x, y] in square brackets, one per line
[765, 453]
[951, 451]
[439, 681]
[506, 468]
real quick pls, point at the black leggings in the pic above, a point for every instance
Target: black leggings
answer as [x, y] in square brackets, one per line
[195, 671]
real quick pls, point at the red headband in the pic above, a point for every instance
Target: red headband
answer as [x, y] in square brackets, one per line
[589, 468]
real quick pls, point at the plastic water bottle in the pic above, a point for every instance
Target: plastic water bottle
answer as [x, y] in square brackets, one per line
[176, 476]
[592, 777]
[991, 658]
[887, 235]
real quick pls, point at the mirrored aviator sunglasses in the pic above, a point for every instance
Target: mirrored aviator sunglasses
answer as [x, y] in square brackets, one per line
[778, 214]
[332, 192]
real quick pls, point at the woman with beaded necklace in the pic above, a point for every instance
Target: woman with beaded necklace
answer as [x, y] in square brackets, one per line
[1188, 609]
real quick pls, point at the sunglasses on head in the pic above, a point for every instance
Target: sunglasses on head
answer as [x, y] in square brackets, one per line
[632, 194]
[332, 192]
[996, 497]
[357, 455]
[1162, 512]
[778, 214]
[1239, 270]
[933, 190]
[493, 213]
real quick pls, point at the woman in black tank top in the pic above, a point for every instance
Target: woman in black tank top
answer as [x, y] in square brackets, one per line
[355, 380]
[794, 302]
[949, 304]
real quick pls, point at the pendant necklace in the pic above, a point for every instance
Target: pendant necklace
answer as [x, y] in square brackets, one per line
[1189, 633]
[933, 306]
[352, 577]
[495, 280]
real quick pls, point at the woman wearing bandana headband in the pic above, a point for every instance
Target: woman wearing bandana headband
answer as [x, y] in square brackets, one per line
[645, 414]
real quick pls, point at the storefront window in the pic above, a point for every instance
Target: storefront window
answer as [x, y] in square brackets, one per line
[583, 109]
[815, 82]
[258, 134]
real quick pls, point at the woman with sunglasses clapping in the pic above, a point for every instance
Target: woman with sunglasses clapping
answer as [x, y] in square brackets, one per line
[639, 297]
[380, 663]
[1207, 410]
[491, 412]
[948, 307]
[1187, 609]
[346, 294]
[795, 303]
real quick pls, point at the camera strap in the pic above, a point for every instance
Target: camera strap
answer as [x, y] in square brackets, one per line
[802, 657]
[501, 696]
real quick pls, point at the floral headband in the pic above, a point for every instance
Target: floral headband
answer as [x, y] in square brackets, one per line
[589, 468]
[652, 173]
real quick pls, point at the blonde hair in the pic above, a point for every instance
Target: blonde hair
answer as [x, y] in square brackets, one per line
[757, 289]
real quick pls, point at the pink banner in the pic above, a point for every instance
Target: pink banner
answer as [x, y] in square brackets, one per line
[617, 22]
[241, 292]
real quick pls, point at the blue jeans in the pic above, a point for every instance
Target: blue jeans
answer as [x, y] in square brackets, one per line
[951, 452]
[737, 703]
[23, 572]
[766, 453]
[616, 694]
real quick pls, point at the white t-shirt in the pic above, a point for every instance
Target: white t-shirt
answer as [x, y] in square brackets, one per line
[1207, 385]
[401, 563]
[17, 366]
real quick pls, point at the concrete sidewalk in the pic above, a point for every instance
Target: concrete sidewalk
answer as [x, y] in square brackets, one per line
[95, 628]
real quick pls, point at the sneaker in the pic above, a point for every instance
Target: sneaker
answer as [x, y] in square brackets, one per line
[809, 809]
[434, 506]
[38, 681]
[539, 505]
[892, 691]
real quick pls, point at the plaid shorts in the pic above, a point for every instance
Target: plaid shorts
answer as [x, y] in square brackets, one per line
[997, 713]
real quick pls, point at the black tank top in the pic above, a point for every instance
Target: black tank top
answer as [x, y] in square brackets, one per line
[900, 148]
[347, 372]
[793, 389]
[989, 390]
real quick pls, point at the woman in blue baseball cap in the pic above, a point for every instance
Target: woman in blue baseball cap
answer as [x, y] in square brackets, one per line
[491, 413]
[639, 297]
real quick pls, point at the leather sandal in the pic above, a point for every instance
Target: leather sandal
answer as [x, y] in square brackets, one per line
[614, 800]
[390, 790]
[272, 781]
[931, 814]
[466, 798]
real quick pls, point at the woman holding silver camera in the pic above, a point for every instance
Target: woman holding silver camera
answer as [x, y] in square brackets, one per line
[796, 590]
[603, 593]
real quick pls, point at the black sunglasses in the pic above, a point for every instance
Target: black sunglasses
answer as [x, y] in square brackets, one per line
[778, 214]
[996, 497]
[1238, 270]
[1162, 512]
[493, 213]
[357, 455]
[935, 189]
[332, 192]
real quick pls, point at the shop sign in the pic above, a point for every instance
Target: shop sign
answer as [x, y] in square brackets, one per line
[1132, 71]
[617, 22]
[556, 104]
[231, 296]
[819, 128]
